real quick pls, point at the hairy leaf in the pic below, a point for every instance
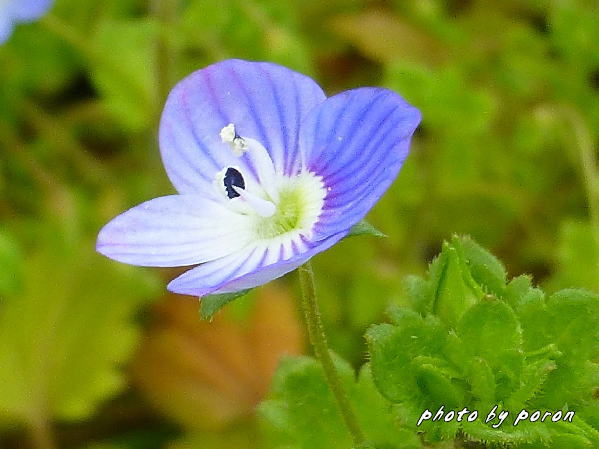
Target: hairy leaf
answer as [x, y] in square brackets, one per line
[302, 413]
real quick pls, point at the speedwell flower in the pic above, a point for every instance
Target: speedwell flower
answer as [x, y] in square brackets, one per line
[269, 172]
[17, 11]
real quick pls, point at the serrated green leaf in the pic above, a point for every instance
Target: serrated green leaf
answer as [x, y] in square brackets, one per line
[301, 412]
[211, 304]
[482, 382]
[532, 381]
[66, 333]
[453, 349]
[503, 351]
[403, 316]
[518, 290]
[490, 328]
[376, 416]
[437, 387]
[485, 268]
[454, 290]
[419, 295]
[305, 410]
[572, 322]
[394, 349]
[532, 312]
[364, 228]
[574, 316]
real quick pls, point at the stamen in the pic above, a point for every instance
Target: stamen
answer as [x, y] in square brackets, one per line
[256, 155]
[233, 178]
[262, 207]
[236, 142]
[261, 160]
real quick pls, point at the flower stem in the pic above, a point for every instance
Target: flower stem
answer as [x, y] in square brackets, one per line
[321, 350]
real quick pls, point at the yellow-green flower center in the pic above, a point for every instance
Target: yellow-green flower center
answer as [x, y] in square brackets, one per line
[300, 203]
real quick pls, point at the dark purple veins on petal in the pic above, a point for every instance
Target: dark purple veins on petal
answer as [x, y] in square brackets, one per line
[233, 178]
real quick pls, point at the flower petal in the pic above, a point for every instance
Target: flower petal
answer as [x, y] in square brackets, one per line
[6, 27]
[29, 10]
[248, 268]
[264, 101]
[357, 141]
[174, 231]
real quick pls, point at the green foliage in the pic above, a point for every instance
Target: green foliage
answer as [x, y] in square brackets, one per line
[260, 30]
[301, 412]
[508, 347]
[125, 70]
[510, 100]
[469, 339]
[66, 332]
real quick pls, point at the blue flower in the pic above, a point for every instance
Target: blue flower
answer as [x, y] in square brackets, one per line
[269, 172]
[18, 11]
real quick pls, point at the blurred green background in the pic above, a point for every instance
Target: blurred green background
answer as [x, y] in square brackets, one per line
[94, 354]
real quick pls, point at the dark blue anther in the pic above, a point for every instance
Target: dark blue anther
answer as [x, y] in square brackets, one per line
[233, 178]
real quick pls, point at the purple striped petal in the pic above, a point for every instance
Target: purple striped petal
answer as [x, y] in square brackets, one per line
[357, 141]
[174, 231]
[246, 269]
[264, 101]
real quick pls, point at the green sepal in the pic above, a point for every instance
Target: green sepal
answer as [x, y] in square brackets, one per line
[211, 304]
[364, 228]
